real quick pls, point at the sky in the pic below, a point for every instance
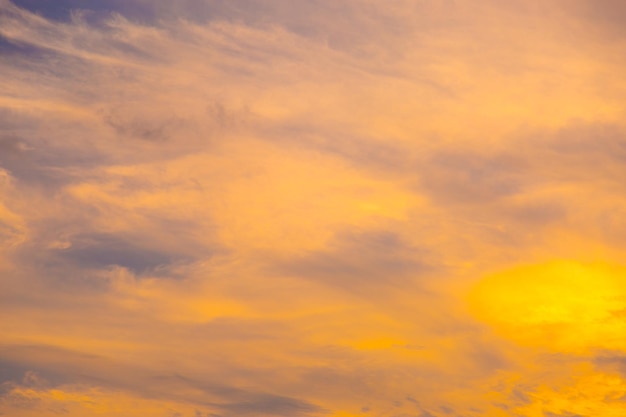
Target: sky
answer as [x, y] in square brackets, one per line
[274, 208]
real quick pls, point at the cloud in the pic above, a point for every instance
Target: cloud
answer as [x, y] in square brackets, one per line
[562, 414]
[45, 368]
[472, 178]
[103, 250]
[271, 405]
[10, 145]
[611, 360]
[214, 208]
[602, 17]
[362, 262]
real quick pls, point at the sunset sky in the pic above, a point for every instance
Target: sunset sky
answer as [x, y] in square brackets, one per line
[313, 208]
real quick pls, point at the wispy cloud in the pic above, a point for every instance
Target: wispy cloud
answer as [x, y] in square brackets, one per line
[270, 208]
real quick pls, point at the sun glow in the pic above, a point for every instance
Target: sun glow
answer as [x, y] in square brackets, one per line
[564, 305]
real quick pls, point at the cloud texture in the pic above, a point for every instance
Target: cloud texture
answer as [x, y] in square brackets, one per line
[274, 208]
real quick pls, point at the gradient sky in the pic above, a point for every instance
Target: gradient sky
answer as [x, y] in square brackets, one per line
[399, 208]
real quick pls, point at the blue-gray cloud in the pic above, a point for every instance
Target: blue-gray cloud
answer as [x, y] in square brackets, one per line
[362, 261]
[54, 367]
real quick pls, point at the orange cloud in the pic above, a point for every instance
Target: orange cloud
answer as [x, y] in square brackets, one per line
[215, 209]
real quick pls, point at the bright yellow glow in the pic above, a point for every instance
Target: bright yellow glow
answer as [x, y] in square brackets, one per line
[565, 305]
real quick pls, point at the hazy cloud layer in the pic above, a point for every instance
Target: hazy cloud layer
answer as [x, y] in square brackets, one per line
[273, 208]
